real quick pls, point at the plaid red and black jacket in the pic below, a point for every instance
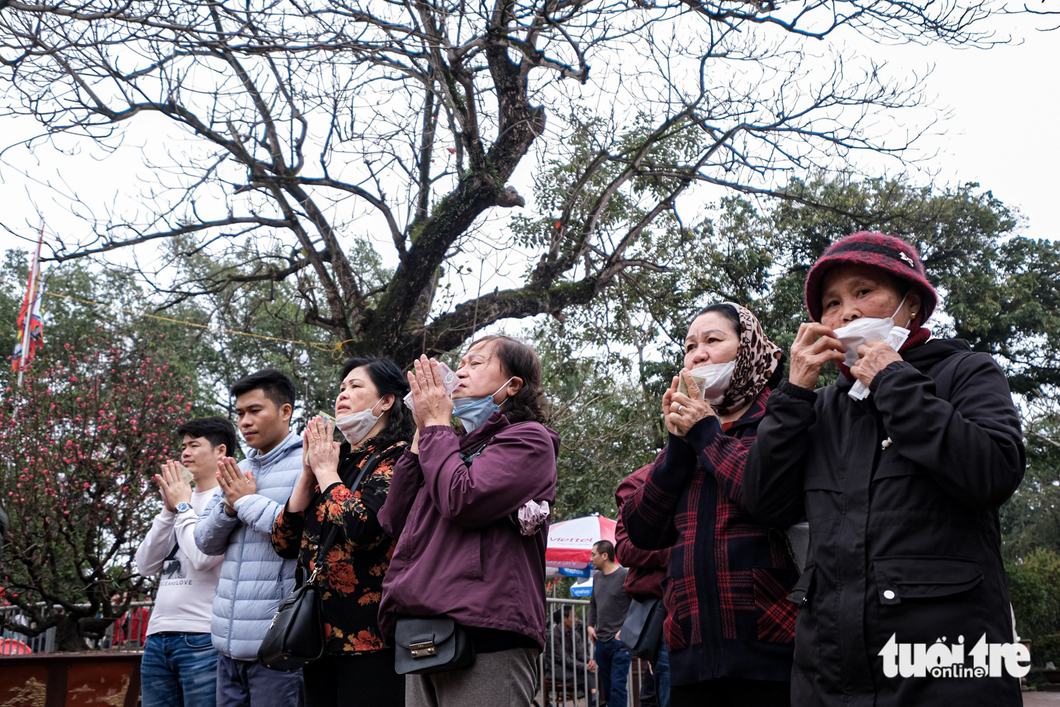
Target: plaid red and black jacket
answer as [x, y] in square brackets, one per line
[728, 578]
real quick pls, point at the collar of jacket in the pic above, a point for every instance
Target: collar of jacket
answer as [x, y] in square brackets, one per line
[753, 413]
[289, 442]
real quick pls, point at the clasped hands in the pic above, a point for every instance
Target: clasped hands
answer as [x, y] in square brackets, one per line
[320, 463]
[172, 486]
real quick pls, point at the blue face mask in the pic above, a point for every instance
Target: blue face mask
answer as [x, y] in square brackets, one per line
[475, 411]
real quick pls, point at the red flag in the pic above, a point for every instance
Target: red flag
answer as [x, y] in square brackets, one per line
[31, 332]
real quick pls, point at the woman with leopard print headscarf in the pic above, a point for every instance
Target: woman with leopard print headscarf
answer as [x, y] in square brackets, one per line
[729, 629]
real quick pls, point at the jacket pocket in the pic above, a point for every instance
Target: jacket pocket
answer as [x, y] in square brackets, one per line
[823, 497]
[774, 614]
[894, 470]
[921, 577]
[923, 599]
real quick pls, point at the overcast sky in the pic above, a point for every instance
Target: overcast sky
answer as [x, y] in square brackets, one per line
[1002, 132]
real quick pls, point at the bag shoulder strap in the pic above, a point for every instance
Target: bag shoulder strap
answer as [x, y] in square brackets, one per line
[366, 470]
[469, 456]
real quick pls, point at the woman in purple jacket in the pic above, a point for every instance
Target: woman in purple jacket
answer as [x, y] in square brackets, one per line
[454, 507]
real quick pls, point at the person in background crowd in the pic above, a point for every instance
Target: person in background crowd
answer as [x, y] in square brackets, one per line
[465, 512]
[131, 626]
[729, 628]
[645, 580]
[357, 668]
[179, 664]
[607, 611]
[567, 658]
[901, 489]
[254, 579]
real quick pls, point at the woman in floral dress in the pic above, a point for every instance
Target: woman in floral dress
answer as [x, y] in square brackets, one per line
[357, 668]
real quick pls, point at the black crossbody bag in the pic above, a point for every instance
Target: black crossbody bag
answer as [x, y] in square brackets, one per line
[296, 635]
[433, 644]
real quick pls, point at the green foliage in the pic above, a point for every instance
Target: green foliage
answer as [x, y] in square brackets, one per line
[1034, 588]
[606, 426]
[1031, 518]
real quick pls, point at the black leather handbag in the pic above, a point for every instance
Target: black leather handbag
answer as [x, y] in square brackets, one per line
[431, 645]
[643, 628]
[296, 635]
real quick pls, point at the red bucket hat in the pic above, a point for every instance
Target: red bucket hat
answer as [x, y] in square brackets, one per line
[888, 253]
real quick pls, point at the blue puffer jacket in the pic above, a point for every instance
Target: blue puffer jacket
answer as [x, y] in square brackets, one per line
[253, 577]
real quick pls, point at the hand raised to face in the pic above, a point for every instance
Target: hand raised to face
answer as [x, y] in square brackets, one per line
[681, 411]
[433, 404]
[321, 447]
[874, 357]
[814, 345]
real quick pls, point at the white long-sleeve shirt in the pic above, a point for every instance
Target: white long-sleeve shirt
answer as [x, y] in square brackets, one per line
[189, 579]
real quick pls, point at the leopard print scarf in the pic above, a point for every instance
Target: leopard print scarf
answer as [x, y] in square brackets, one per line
[756, 361]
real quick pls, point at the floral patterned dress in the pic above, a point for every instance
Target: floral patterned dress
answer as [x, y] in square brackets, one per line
[353, 570]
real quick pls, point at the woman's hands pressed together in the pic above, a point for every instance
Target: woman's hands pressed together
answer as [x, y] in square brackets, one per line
[323, 451]
[433, 404]
[681, 412]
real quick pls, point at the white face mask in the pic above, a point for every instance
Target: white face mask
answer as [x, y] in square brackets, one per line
[713, 380]
[862, 331]
[449, 382]
[356, 426]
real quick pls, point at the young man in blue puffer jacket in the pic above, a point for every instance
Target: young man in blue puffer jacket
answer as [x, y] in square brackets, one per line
[254, 579]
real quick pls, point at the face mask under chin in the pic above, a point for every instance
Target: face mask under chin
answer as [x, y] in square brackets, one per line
[473, 412]
[356, 426]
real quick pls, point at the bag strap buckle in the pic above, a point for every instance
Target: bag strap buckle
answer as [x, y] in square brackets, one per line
[422, 649]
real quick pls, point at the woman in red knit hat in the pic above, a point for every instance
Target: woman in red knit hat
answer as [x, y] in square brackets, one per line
[900, 468]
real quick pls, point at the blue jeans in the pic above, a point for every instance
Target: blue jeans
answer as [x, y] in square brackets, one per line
[661, 673]
[612, 665]
[179, 670]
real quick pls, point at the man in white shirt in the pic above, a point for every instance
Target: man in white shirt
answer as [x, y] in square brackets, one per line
[179, 666]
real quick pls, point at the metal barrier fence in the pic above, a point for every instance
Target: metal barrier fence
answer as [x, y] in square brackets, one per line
[124, 633]
[564, 677]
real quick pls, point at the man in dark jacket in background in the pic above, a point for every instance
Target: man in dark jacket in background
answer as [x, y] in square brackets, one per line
[647, 573]
[567, 657]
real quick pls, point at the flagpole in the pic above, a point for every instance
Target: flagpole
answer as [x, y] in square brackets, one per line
[31, 301]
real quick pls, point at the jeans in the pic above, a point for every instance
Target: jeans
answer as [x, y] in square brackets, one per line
[179, 670]
[612, 664]
[661, 673]
[248, 683]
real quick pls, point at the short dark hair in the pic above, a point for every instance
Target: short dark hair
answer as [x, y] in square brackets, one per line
[724, 309]
[388, 380]
[216, 429]
[274, 384]
[605, 547]
[519, 360]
